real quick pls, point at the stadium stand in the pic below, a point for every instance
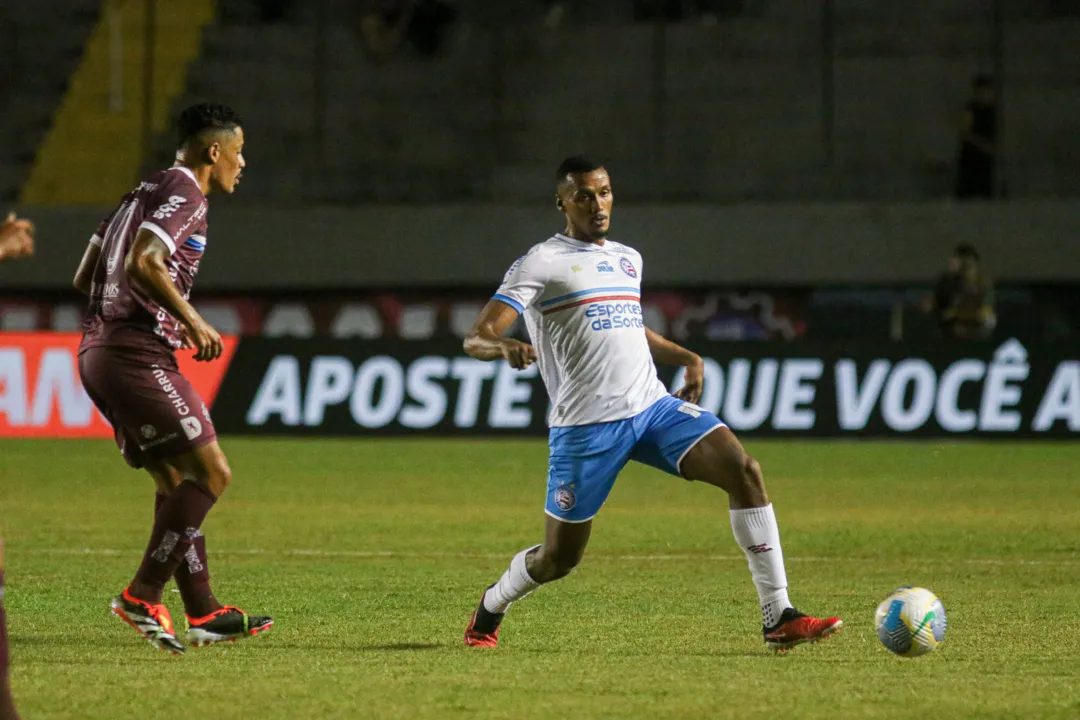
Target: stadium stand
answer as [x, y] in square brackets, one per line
[40, 46]
[744, 110]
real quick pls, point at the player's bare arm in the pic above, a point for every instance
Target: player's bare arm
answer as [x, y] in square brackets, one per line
[16, 238]
[145, 264]
[85, 273]
[486, 340]
[666, 352]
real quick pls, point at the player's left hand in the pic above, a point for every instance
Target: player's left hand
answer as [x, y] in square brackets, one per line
[16, 238]
[693, 383]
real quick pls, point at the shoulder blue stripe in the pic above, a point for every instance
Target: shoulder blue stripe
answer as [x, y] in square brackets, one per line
[552, 301]
[509, 301]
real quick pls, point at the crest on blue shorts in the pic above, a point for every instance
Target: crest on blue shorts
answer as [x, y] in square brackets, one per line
[565, 498]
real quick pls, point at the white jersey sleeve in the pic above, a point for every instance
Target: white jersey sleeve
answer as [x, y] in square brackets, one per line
[524, 282]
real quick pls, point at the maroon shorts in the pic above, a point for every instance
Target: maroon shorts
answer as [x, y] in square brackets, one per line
[154, 411]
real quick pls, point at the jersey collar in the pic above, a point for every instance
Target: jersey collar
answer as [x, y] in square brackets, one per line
[579, 243]
[186, 171]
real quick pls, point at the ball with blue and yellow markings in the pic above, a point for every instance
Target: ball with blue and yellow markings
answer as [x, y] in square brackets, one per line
[911, 622]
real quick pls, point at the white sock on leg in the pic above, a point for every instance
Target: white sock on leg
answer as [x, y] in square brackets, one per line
[757, 534]
[512, 586]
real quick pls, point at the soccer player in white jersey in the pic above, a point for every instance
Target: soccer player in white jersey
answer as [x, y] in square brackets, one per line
[580, 295]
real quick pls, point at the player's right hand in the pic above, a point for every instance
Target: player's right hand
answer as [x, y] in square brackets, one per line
[520, 355]
[202, 337]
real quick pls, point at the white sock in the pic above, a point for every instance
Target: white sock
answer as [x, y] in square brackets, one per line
[512, 586]
[756, 532]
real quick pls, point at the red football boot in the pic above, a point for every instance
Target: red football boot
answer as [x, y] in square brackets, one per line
[796, 628]
[483, 629]
[228, 624]
[151, 620]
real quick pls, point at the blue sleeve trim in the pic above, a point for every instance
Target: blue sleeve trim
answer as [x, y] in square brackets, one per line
[511, 302]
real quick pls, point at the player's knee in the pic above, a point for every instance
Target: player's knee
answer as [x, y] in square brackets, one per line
[221, 477]
[215, 476]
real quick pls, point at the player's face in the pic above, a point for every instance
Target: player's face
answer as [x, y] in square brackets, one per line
[229, 163]
[586, 202]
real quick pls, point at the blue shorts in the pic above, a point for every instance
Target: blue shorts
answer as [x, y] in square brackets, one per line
[586, 459]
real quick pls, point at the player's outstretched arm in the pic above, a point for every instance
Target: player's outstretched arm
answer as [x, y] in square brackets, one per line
[486, 340]
[145, 264]
[85, 274]
[666, 352]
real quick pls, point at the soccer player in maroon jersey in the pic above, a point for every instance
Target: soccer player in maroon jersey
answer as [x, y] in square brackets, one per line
[16, 241]
[138, 271]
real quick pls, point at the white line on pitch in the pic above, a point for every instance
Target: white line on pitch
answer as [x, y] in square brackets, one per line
[375, 554]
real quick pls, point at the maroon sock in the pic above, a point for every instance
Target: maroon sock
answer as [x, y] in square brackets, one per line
[7, 704]
[193, 575]
[193, 580]
[175, 526]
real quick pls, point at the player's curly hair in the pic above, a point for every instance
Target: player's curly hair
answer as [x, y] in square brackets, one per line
[205, 116]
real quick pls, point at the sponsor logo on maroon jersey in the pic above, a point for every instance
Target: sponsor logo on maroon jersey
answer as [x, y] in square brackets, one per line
[192, 427]
[172, 205]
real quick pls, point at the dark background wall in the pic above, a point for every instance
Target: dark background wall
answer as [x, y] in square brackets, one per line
[312, 248]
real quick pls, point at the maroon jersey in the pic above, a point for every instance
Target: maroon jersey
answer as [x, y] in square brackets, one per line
[172, 206]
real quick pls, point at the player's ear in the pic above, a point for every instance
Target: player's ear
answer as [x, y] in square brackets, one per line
[212, 153]
[558, 202]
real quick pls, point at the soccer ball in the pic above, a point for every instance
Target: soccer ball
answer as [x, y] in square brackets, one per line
[911, 622]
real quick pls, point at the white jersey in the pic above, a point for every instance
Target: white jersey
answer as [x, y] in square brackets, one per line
[582, 307]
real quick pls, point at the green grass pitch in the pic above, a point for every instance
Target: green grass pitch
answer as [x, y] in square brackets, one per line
[372, 554]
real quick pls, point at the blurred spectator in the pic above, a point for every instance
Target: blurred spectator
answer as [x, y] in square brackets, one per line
[386, 24]
[963, 299]
[16, 238]
[554, 10]
[978, 142]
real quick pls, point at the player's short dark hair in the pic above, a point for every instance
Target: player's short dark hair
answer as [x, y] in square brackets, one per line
[197, 119]
[576, 165]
